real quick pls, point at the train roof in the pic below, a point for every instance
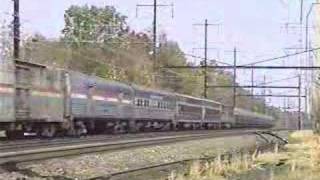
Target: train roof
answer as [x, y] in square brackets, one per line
[203, 101]
[101, 81]
[197, 98]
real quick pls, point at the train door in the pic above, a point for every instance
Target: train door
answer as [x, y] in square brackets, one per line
[67, 96]
[23, 81]
[91, 102]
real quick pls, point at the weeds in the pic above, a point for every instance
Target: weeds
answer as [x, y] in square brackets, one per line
[216, 169]
[301, 158]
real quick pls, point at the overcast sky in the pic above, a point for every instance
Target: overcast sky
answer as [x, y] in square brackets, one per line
[255, 27]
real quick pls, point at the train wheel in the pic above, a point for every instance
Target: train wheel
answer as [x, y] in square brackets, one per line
[48, 131]
[118, 128]
[176, 126]
[81, 129]
[166, 127]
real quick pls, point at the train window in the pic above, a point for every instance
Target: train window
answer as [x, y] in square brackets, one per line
[145, 103]
[139, 102]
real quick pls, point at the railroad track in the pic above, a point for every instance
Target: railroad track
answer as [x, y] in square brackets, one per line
[8, 146]
[32, 143]
[84, 147]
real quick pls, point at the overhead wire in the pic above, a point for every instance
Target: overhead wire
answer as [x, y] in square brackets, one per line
[282, 57]
[279, 80]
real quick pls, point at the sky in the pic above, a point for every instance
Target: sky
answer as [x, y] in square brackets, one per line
[255, 27]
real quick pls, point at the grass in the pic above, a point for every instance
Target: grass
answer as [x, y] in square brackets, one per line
[217, 169]
[299, 160]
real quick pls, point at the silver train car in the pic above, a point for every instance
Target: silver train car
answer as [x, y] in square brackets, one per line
[248, 119]
[49, 102]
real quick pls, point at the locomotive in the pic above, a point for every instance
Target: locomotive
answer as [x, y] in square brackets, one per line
[49, 101]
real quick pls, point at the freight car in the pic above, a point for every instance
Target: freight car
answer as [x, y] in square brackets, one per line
[47, 101]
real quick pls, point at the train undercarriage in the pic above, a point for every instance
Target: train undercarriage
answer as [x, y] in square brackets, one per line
[82, 127]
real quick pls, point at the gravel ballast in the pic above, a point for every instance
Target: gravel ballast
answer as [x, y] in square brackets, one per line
[102, 164]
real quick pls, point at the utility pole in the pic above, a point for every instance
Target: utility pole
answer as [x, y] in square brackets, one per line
[301, 11]
[306, 116]
[252, 81]
[155, 34]
[205, 93]
[285, 113]
[299, 104]
[16, 30]
[155, 6]
[205, 62]
[234, 78]
[307, 25]
[264, 93]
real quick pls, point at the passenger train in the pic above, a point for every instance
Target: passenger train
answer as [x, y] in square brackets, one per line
[49, 102]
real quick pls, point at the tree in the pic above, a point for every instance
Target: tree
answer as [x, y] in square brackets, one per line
[5, 41]
[97, 41]
[85, 25]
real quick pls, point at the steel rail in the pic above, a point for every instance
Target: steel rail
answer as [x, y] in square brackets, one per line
[21, 155]
[37, 143]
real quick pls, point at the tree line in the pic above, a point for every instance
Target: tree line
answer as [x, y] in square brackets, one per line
[98, 41]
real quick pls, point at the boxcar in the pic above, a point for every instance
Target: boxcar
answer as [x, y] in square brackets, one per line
[7, 94]
[34, 99]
